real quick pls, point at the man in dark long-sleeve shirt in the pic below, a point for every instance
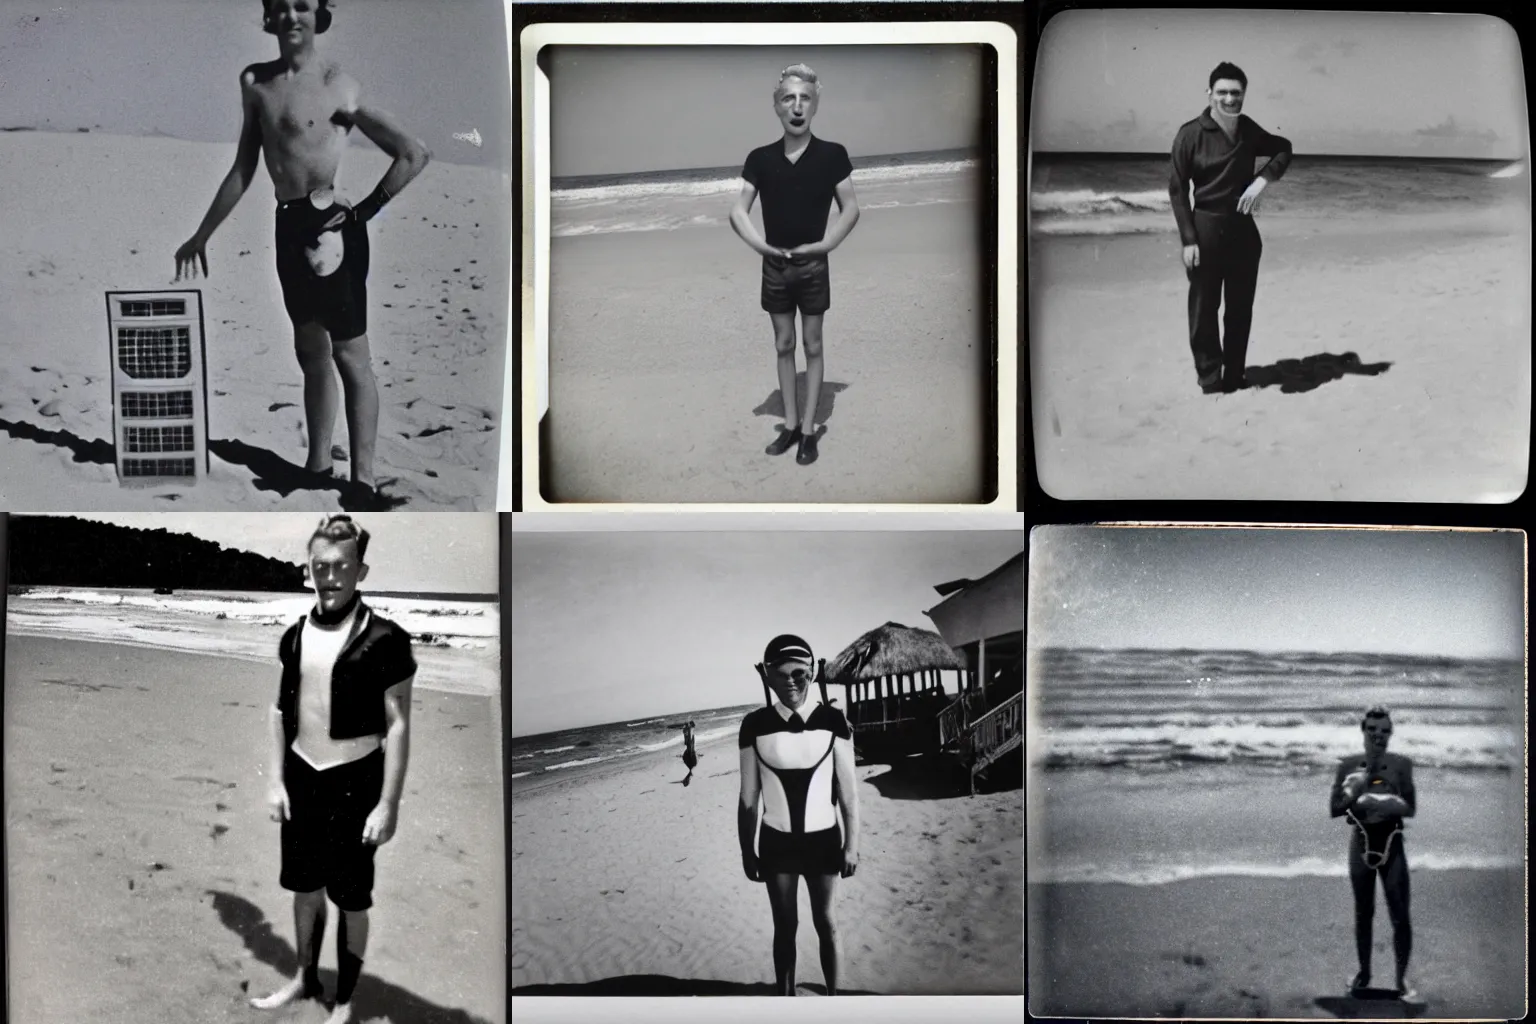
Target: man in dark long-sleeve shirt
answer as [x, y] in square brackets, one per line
[1221, 241]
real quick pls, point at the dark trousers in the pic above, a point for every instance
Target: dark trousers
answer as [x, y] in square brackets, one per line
[1230, 248]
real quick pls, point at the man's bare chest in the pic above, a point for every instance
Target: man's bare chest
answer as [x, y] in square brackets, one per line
[301, 112]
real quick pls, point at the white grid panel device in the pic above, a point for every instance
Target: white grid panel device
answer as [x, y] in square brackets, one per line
[159, 386]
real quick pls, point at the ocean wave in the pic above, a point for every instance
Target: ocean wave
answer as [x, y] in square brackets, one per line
[729, 184]
[1085, 201]
[657, 223]
[518, 775]
[573, 764]
[1302, 867]
[698, 737]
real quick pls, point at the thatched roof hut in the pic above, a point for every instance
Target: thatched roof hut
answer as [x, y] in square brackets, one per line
[890, 650]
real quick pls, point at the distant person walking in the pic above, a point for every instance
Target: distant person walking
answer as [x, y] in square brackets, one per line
[799, 176]
[1221, 241]
[690, 756]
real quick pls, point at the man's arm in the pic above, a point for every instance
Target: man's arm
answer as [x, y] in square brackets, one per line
[380, 826]
[1178, 188]
[247, 151]
[848, 216]
[847, 798]
[741, 223]
[1342, 796]
[410, 154]
[1277, 149]
[746, 811]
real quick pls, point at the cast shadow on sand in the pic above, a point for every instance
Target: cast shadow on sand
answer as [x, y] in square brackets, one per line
[1371, 1004]
[663, 985]
[374, 998]
[773, 405]
[942, 777]
[272, 472]
[1297, 375]
[100, 452]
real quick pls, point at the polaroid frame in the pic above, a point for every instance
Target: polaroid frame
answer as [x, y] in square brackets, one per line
[534, 202]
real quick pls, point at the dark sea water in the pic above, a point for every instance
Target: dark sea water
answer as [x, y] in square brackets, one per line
[1151, 766]
[1149, 710]
[1106, 194]
[565, 749]
[702, 197]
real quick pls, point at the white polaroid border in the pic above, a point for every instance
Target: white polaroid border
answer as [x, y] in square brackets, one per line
[751, 1009]
[535, 203]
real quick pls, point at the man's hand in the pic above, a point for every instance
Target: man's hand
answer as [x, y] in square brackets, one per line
[750, 866]
[192, 252]
[380, 826]
[1248, 202]
[850, 861]
[809, 249]
[1191, 257]
[277, 800]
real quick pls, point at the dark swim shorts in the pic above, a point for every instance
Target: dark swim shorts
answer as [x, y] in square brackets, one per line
[808, 853]
[324, 273]
[802, 281]
[323, 844]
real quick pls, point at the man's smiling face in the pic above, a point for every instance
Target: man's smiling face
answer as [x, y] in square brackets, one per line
[335, 570]
[795, 103]
[1227, 96]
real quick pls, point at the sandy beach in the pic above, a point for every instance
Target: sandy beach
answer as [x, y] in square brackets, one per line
[86, 213]
[1432, 307]
[625, 882]
[143, 866]
[1273, 947]
[662, 379]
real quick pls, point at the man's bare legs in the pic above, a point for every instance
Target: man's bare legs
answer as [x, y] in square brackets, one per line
[814, 369]
[784, 345]
[318, 354]
[823, 892]
[309, 929]
[355, 364]
[783, 894]
[351, 944]
[312, 344]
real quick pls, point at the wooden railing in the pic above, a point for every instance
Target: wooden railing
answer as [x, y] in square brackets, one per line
[997, 732]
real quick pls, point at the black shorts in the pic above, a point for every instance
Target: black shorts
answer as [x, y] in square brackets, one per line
[802, 282]
[323, 844]
[809, 853]
[315, 288]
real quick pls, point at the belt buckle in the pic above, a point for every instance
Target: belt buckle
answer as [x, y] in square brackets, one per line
[323, 198]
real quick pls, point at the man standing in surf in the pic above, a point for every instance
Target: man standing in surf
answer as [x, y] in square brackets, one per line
[297, 111]
[799, 176]
[340, 739]
[1375, 792]
[1221, 241]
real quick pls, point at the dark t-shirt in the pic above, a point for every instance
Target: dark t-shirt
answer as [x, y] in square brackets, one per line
[1221, 168]
[797, 197]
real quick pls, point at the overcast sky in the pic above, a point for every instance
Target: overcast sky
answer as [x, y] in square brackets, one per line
[1400, 592]
[440, 551]
[1333, 83]
[624, 109]
[616, 625]
[142, 67]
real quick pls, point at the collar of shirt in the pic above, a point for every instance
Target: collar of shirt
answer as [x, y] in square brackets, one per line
[804, 709]
[1209, 123]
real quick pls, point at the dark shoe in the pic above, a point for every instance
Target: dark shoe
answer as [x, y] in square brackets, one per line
[1233, 384]
[807, 453]
[1210, 383]
[784, 441]
[1362, 981]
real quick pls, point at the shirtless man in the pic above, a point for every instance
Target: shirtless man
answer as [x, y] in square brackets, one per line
[1375, 793]
[297, 111]
[797, 763]
[690, 755]
[340, 740]
[799, 176]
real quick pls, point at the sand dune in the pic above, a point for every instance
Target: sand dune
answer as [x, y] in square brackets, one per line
[87, 213]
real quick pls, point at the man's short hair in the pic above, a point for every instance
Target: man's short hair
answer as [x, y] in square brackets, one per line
[1226, 69]
[322, 17]
[802, 72]
[340, 528]
[1379, 711]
